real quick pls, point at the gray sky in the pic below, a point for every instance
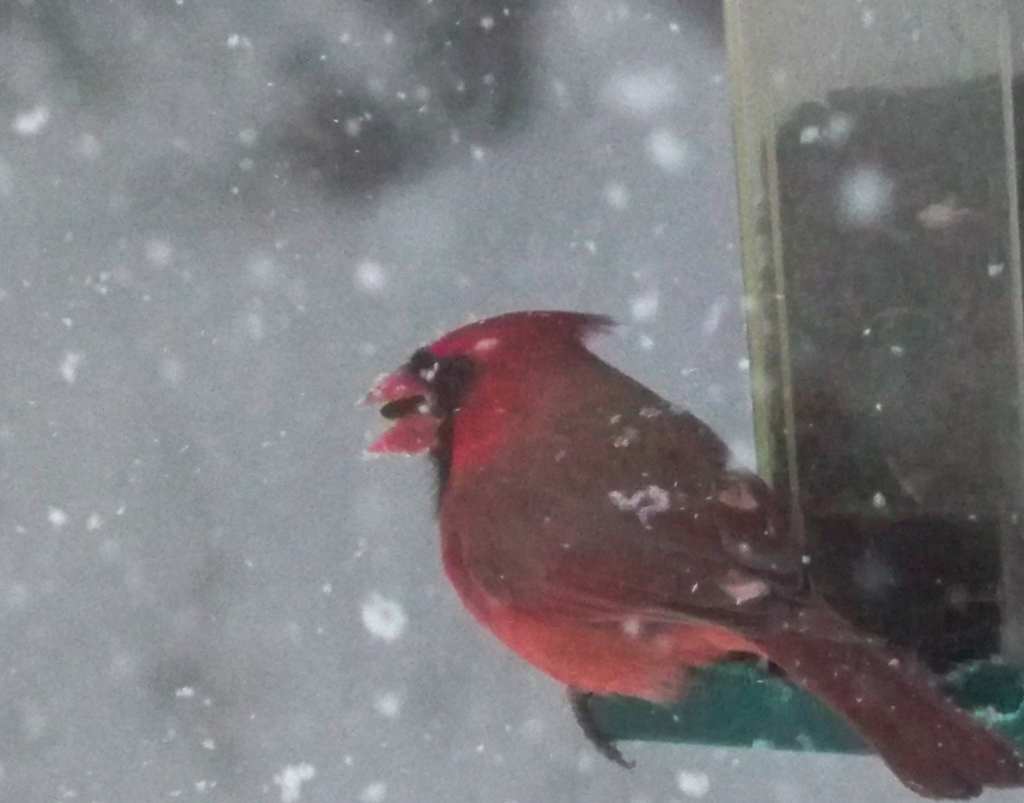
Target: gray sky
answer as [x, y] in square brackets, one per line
[221, 221]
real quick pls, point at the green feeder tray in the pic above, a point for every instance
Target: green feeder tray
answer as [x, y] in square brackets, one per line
[766, 711]
[880, 207]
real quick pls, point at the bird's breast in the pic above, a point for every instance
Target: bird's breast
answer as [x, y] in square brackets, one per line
[614, 654]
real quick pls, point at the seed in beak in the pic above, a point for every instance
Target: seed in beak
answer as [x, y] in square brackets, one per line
[402, 407]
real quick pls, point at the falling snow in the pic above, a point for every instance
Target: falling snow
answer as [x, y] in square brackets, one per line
[238, 41]
[31, 122]
[616, 195]
[642, 94]
[57, 517]
[370, 277]
[69, 366]
[159, 252]
[644, 307]
[713, 317]
[865, 196]
[291, 778]
[384, 618]
[693, 784]
[839, 129]
[667, 150]
[374, 792]
[171, 371]
[387, 704]
[810, 134]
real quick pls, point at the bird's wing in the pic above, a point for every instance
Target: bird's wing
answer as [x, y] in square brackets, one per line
[651, 554]
[627, 507]
[723, 561]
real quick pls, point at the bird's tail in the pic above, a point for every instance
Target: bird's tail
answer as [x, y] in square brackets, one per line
[936, 749]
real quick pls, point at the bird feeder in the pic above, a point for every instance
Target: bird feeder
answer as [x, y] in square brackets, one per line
[877, 152]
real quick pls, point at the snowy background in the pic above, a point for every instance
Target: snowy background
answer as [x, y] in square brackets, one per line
[220, 221]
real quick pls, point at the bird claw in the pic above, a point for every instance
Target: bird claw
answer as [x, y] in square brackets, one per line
[580, 702]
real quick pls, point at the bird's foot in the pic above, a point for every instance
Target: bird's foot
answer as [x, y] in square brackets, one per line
[580, 702]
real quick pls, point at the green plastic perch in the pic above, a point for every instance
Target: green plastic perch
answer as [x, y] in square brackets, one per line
[765, 711]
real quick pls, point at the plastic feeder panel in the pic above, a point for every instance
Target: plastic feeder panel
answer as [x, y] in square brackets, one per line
[877, 159]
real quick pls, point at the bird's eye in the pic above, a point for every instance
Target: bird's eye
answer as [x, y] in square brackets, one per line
[448, 377]
[452, 377]
[424, 364]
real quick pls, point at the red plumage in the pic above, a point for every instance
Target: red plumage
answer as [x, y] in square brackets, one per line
[603, 536]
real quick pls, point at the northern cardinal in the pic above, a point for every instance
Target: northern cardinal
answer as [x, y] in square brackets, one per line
[603, 535]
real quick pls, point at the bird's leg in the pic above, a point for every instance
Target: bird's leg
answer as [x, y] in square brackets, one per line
[761, 663]
[580, 702]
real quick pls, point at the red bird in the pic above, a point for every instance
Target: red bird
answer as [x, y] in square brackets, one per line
[602, 534]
